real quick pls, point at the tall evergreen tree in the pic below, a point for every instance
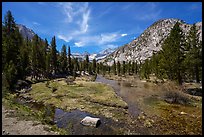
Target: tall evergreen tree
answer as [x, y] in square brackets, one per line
[94, 65]
[69, 61]
[24, 59]
[123, 68]
[114, 68]
[129, 67]
[48, 65]
[63, 59]
[193, 60]
[87, 62]
[75, 66]
[11, 42]
[173, 52]
[118, 68]
[53, 55]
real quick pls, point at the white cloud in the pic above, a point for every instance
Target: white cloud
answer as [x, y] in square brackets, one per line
[67, 10]
[36, 23]
[84, 25]
[77, 16]
[108, 37]
[79, 44]
[123, 34]
[67, 39]
[77, 13]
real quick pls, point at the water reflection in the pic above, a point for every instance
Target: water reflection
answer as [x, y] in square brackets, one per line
[126, 90]
[71, 122]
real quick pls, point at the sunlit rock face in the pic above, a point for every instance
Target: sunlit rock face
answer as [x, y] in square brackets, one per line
[149, 42]
[25, 32]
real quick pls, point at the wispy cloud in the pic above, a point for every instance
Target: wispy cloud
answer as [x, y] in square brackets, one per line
[36, 23]
[123, 34]
[78, 15]
[108, 37]
[79, 44]
[84, 25]
[67, 39]
[102, 39]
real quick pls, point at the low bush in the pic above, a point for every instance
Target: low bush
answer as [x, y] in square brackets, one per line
[176, 97]
[173, 94]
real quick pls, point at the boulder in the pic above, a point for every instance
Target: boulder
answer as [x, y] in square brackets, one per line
[90, 121]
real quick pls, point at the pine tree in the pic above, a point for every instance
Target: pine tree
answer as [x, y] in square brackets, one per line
[63, 59]
[94, 65]
[70, 68]
[118, 68]
[129, 67]
[11, 44]
[133, 67]
[24, 59]
[48, 65]
[10, 74]
[123, 68]
[173, 53]
[76, 66]
[98, 68]
[114, 68]
[53, 56]
[87, 63]
[33, 57]
[193, 60]
[145, 69]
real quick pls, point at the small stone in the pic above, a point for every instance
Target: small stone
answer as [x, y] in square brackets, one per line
[147, 123]
[183, 113]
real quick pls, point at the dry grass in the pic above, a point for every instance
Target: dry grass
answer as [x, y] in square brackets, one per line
[173, 93]
[93, 97]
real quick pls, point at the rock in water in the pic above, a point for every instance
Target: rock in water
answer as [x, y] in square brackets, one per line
[90, 121]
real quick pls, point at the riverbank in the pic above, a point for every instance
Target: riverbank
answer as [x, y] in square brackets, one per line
[11, 125]
[127, 105]
[172, 110]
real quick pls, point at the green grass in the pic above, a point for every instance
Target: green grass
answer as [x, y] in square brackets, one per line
[92, 97]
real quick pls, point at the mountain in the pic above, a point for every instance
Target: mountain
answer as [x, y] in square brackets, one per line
[149, 42]
[101, 55]
[25, 32]
[97, 56]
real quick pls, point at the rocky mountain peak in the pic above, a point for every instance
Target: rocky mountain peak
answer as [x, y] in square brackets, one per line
[25, 32]
[149, 42]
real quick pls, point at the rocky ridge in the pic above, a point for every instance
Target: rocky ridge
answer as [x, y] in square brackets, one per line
[25, 32]
[149, 42]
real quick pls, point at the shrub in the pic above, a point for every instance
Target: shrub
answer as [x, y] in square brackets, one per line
[173, 94]
[176, 97]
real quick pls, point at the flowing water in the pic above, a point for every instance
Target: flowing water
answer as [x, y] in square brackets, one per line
[71, 120]
[126, 91]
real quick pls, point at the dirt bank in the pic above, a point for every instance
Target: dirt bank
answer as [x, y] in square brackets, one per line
[13, 126]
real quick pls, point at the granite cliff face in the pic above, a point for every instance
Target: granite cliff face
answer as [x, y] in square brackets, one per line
[25, 32]
[148, 42]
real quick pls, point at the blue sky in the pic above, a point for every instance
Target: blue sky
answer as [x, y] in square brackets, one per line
[95, 26]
